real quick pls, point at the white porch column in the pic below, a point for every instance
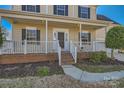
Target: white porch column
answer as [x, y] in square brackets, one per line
[94, 46]
[46, 36]
[80, 35]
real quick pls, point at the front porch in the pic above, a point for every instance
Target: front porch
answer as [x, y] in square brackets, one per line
[27, 51]
[42, 34]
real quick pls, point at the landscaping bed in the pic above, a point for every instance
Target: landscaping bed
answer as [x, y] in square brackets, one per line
[100, 67]
[98, 62]
[30, 69]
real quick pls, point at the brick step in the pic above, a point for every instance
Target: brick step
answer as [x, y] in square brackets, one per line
[67, 63]
[67, 58]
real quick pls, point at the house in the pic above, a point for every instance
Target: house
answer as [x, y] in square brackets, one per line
[61, 29]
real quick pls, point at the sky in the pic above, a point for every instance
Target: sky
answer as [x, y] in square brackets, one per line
[114, 12]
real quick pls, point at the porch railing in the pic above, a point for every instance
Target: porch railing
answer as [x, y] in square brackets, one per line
[73, 51]
[59, 52]
[90, 46]
[25, 47]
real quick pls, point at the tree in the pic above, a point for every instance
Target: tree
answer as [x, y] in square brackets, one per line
[2, 35]
[115, 39]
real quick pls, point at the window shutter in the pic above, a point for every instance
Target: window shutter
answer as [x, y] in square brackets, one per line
[89, 13]
[38, 35]
[55, 9]
[66, 10]
[23, 7]
[79, 9]
[38, 8]
[23, 34]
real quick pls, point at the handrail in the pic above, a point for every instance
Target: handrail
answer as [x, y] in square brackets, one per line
[73, 51]
[59, 53]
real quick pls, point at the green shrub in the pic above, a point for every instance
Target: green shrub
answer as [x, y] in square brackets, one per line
[98, 56]
[43, 71]
[115, 39]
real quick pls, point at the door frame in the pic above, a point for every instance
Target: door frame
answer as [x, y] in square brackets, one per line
[66, 35]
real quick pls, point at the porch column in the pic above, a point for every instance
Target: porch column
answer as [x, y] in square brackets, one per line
[46, 36]
[80, 35]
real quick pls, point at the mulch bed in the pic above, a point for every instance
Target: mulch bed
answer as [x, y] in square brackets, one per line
[28, 69]
[107, 62]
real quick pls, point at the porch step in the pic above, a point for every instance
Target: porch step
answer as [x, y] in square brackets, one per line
[67, 58]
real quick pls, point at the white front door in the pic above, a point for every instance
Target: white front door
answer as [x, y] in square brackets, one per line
[63, 38]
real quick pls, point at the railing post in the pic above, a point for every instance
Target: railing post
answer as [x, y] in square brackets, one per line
[70, 45]
[25, 46]
[0, 52]
[59, 56]
[75, 54]
[94, 46]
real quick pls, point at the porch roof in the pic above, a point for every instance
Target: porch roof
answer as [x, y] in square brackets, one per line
[38, 16]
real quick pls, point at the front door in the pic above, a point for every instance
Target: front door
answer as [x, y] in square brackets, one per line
[62, 35]
[61, 39]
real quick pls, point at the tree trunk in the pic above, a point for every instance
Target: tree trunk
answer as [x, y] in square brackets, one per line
[112, 54]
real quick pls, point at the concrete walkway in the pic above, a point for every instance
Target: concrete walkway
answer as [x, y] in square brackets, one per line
[91, 77]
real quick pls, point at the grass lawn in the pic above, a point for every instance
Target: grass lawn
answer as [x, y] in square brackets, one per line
[99, 68]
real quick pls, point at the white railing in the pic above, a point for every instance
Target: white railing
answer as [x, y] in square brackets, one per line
[25, 47]
[73, 51]
[59, 53]
[90, 46]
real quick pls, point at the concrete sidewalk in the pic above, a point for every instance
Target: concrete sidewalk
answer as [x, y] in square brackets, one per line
[91, 77]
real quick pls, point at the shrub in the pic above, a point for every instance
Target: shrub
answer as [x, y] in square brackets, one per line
[98, 56]
[115, 39]
[43, 71]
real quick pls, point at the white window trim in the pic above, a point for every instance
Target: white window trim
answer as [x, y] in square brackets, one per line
[31, 11]
[30, 28]
[86, 32]
[82, 12]
[66, 35]
[58, 8]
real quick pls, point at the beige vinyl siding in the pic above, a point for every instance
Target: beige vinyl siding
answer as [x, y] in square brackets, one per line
[17, 30]
[70, 10]
[73, 31]
[100, 34]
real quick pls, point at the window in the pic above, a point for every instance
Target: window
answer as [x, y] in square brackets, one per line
[31, 35]
[61, 10]
[31, 8]
[85, 36]
[83, 12]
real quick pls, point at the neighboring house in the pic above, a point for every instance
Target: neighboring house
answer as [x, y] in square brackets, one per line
[38, 28]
